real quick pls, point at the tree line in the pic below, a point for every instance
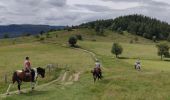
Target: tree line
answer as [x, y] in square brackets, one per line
[141, 25]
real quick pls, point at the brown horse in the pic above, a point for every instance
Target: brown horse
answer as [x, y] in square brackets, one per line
[97, 74]
[20, 76]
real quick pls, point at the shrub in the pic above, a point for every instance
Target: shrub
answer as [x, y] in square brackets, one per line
[6, 35]
[79, 37]
[42, 39]
[72, 41]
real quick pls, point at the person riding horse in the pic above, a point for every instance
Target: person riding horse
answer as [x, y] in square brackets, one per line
[98, 67]
[29, 73]
[137, 63]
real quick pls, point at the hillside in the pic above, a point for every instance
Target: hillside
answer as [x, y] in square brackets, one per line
[121, 81]
[20, 30]
[136, 24]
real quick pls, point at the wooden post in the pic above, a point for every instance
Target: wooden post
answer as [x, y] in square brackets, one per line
[5, 78]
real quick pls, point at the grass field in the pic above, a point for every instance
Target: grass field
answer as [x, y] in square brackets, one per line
[121, 81]
[12, 58]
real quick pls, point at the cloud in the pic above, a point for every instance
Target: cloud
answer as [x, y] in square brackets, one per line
[95, 8]
[58, 3]
[73, 12]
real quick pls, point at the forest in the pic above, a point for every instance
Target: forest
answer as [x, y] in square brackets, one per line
[141, 25]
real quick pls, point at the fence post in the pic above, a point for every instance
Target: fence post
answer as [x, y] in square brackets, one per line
[5, 78]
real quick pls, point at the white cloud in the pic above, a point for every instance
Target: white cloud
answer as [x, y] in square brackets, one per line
[68, 12]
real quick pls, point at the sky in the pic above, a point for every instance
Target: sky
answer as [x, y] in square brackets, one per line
[75, 12]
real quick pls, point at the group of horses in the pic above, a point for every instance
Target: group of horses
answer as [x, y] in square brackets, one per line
[20, 76]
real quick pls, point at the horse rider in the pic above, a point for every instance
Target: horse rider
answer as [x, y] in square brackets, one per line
[137, 63]
[27, 65]
[27, 68]
[98, 67]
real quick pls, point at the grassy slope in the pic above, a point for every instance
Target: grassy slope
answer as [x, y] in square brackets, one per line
[121, 81]
[12, 57]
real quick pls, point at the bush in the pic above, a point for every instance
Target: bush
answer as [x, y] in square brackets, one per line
[42, 39]
[6, 35]
[56, 35]
[131, 41]
[79, 37]
[121, 32]
[72, 41]
[48, 35]
[37, 36]
[136, 39]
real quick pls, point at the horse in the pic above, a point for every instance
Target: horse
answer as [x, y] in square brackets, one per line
[20, 76]
[138, 67]
[97, 74]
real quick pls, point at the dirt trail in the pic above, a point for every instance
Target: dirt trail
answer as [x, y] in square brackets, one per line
[64, 77]
[76, 76]
[93, 55]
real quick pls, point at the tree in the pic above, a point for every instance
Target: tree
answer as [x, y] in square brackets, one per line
[42, 32]
[6, 35]
[72, 41]
[135, 24]
[117, 49]
[168, 39]
[99, 30]
[163, 50]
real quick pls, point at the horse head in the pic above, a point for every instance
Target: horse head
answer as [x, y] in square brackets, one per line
[41, 71]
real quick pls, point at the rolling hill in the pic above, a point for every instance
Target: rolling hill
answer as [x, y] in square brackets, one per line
[71, 78]
[20, 30]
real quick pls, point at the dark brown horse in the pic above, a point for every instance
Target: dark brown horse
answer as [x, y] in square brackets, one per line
[20, 76]
[97, 74]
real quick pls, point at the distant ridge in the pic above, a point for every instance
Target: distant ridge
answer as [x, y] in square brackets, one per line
[15, 30]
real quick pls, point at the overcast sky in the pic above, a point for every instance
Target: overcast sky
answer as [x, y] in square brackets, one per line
[73, 12]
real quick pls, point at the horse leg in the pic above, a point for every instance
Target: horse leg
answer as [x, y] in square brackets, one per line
[14, 78]
[98, 76]
[94, 77]
[7, 92]
[32, 86]
[19, 86]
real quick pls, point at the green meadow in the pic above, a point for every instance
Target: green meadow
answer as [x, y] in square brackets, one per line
[121, 81]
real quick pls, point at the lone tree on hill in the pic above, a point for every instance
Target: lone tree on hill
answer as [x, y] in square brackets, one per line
[72, 41]
[163, 50]
[117, 49]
